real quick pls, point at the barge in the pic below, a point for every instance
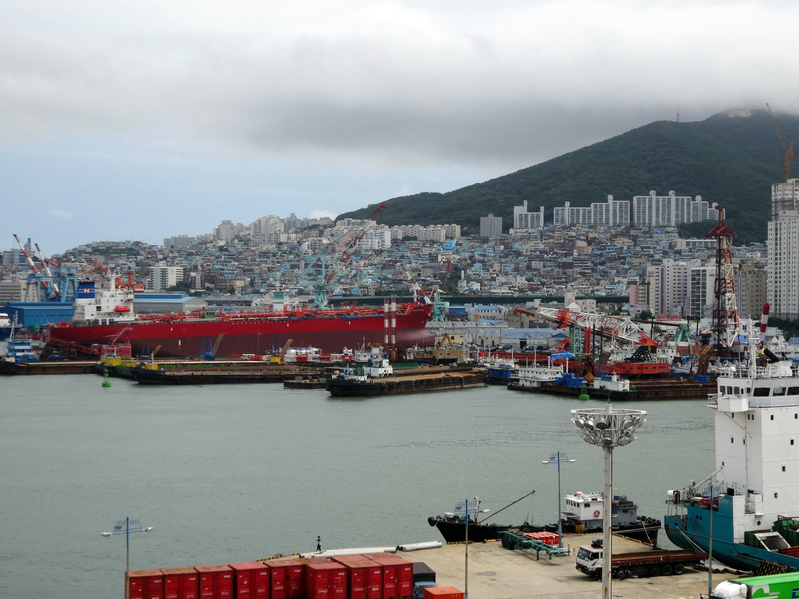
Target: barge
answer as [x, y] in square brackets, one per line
[348, 385]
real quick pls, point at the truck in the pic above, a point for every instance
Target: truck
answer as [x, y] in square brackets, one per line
[644, 563]
[424, 577]
[776, 586]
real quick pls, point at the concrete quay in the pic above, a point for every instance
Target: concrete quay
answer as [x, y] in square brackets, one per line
[499, 573]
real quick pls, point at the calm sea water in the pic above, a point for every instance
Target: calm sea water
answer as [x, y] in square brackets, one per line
[229, 474]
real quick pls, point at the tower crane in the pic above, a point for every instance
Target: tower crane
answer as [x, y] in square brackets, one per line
[789, 155]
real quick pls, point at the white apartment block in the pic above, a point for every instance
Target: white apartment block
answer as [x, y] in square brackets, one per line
[671, 283]
[163, 277]
[523, 220]
[784, 197]
[613, 213]
[268, 224]
[671, 210]
[702, 292]
[227, 230]
[783, 253]
[490, 226]
[178, 241]
[375, 239]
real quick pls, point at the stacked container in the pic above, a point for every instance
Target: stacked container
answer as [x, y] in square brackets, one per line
[325, 580]
[252, 580]
[397, 576]
[285, 579]
[216, 582]
[146, 584]
[364, 576]
[181, 583]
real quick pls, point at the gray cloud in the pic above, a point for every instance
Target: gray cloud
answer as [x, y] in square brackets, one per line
[441, 82]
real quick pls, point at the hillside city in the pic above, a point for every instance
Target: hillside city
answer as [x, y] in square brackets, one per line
[630, 254]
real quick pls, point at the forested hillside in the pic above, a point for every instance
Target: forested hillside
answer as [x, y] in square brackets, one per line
[732, 161]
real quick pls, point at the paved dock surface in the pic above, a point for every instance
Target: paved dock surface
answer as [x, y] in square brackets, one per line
[499, 573]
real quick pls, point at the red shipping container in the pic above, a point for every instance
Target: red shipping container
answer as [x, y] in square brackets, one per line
[325, 580]
[364, 576]
[146, 584]
[443, 593]
[216, 582]
[285, 578]
[251, 580]
[403, 574]
[181, 583]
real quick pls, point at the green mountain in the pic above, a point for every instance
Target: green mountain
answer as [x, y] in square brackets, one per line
[731, 161]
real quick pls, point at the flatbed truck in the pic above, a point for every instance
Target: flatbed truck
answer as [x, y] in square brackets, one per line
[641, 564]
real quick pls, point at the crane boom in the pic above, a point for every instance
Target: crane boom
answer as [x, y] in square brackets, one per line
[45, 262]
[618, 328]
[789, 155]
[27, 255]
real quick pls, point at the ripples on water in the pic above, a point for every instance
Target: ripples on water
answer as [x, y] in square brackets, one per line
[231, 474]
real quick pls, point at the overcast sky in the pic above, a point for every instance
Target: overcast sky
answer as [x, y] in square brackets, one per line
[140, 119]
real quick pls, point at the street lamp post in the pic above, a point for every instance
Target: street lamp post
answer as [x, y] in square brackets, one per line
[467, 507]
[557, 458]
[608, 428]
[125, 527]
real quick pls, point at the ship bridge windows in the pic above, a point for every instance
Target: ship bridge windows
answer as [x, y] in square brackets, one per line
[761, 391]
[779, 391]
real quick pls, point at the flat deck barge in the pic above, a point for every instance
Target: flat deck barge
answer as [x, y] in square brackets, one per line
[639, 390]
[398, 385]
[49, 367]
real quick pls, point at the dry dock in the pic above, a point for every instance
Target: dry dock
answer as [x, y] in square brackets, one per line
[498, 573]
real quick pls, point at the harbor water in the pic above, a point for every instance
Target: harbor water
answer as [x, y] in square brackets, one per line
[230, 474]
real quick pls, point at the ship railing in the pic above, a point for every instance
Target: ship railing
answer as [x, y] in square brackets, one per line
[785, 401]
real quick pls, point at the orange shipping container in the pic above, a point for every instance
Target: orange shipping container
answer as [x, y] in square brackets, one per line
[443, 593]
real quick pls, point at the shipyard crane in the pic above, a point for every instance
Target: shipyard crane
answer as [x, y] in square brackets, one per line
[415, 286]
[622, 329]
[45, 264]
[346, 254]
[789, 155]
[27, 255]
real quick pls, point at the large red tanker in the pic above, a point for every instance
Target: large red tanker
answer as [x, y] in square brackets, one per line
[253, 333]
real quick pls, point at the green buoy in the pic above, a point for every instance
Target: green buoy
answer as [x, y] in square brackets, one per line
[106, 382]
[584, 394]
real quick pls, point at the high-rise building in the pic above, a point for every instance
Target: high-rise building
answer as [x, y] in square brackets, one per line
[671, 210]
[613, 213]
[751, 288]
[523, 220]
[490, 226]
[783, 250]
[163, 277]
[670, 280]
[702, 291]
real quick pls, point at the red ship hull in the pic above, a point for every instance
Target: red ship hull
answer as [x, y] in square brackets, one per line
[180, 336]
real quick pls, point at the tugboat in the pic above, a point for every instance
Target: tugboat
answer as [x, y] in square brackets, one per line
[584, 513]
[754, 517]
[452, 524]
